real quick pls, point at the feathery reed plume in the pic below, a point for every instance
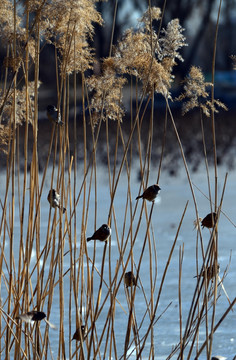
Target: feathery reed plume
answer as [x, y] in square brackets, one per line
[107, 93]
[20, 111]
[196, 94]
[12, 30]
[5, 136]
[171, 41]
[69, 25]
[233, 58]
[142, 54]
[10, 25]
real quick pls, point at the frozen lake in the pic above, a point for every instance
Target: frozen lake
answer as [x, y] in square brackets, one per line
[167, 212]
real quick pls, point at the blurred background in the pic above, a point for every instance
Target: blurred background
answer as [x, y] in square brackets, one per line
[199, 18]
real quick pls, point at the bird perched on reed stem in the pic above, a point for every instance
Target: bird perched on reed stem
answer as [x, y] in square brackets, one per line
[101, 234]
[54, 200]
[150, 193]
[209, 220]
[130, 279]
[54, 115]
[210, 271]
[34, 316]
[80, 333]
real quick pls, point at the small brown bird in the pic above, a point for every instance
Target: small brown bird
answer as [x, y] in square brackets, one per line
[83, 332]
[150, 193]
[54, 200]
[34, 316]
[130, 279]
[209, 220]
[54, 115]
[101, 234]
[210, 271]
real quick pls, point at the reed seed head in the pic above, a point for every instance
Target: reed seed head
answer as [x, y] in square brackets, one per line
[69, 25]
[106, 102]
[196, 95]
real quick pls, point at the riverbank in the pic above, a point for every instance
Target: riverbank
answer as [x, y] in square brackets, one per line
[189, 129]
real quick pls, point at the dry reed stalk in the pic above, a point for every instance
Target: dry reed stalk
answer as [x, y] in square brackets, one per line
[212, 253]
[215, 166]
[148, 162]
[21, 250]
[133, 293]
[162, 280]
[216, 326]
[181, 255]
[34, 288]
[204, 285]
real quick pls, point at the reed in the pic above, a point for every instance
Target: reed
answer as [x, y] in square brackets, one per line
[45, 261]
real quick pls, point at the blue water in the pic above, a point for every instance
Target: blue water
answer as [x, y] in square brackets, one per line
[166, 215]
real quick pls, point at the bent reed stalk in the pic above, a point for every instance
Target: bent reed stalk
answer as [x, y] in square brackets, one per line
[47, 264]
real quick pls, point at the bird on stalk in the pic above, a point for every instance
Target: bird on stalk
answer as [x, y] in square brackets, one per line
[54, 200]
[54, 115]
[210, 272]
[80, 333]
[150, 193]
[209, 220]
[130, 279]
[101, 234]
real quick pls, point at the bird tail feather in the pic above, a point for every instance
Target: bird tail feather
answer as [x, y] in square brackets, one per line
[50, 324]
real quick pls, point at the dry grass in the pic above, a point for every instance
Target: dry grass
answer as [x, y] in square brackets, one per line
[146, 59]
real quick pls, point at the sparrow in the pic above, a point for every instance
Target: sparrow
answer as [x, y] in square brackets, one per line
[54, 115]
[210, 271]
[83, 331]
[130, 279]
[54, 200]
[101, 234]
[34, 316]
[207, 221]
[150, 193]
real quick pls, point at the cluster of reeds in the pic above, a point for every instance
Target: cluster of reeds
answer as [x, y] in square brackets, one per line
[54, 268]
